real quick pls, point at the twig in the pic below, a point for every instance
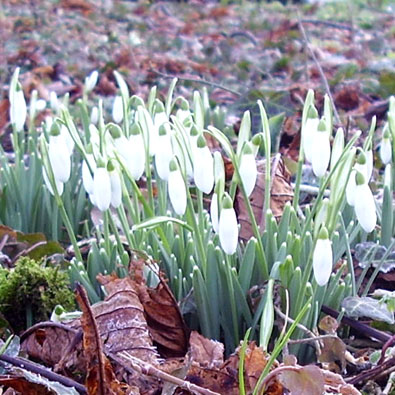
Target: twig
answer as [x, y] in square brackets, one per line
[143, 367]
[46, 324]
[327, 23]
[387, 344]
[359, 326]
[32, 367]
[198, 80]
[322, 74]
[312, 339]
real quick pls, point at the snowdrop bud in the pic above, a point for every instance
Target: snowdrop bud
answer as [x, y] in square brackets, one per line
[176, 188]
[67, 138]
[227, 228]
[322, 150]
[164, 155]
[322, 258]
[386, 147]
[247, 169]
[214, 211]
[350, 189]
[91, 81]
[117, 109]
[388, 176]
[101, 188]
[59, 184]
[40, 105]
[256, 143]
[203, 170]
[18, 110]
[116, 186]
[58, 154]
[183, 113]
[338, 147]
[364, 205]
[95, 115]
[53, 101]
[308, 130]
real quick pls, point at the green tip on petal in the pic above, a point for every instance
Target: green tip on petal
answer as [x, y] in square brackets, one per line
[162, 130]
[386, 132]
[227, 201]
[135, 129]
[322, 125]
[247, 150]
[194, 130]
[359, 178]
[257, 139]
[89, 148]
[201, 141]
[173, 165]
[115, 131]
[323, 235]
[184, 105]
[361, 159]
[110, 165]
[55, 129]
[100, 162]
[159, 106]
[18, 87]
[312, 113]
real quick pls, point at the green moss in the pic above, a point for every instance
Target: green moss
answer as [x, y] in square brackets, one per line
[30, 291]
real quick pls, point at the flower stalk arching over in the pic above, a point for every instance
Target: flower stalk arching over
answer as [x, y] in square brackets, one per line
[322, 258]
[228, 228]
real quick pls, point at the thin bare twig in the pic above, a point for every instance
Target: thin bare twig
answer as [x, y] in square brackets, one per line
[198, 80]
[145, 368]
[322, 74]
[327, 23]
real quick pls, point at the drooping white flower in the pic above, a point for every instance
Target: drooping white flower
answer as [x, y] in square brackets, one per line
[322, 150]
[203, 169]
[365, 208]
[67, 138]
[116, 188]
[369, 163]
[308, 130]
[58, 184]
[91, 81]
[337, 147]
[150, 132]
[350, 189]
[164, 155]
[95, 115]
[227, 228]
[117, 109]
[176, 188]
[59, 155]
[18, 109]
[87, 177]
[53, 101]
[101, 189]
[214, 212]
[361, 165]
[247, 169]
[386, 147]
[322, 258]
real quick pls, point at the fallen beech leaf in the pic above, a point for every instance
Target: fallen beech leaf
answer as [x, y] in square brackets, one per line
[281, 192]
[306, 380]
[206, 352]
[333, 352]
[335, 383]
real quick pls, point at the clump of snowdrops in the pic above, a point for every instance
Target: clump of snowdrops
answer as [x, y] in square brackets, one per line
[150, 172]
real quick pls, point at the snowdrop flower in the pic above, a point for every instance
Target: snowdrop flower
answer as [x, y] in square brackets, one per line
[87, 177]
[59, 155]
[101, 187]
[369, 163]
[227, 228]
[40, 105]
[322, 258]
[176, 188]
[18, 110]
[117, 109]
[321, 149]
[308, 130]
[247, 169]
[95, 115]
[116, 186]
[362, 166]
[256, 143]
[184, 114]
[214, 211]
[91, 81]
[365, 208]
[350, 188]
[67, 138]
[53, 101]
[386, 147]
[58, 184]
[337, 147]
[203, 169]
[164, 155]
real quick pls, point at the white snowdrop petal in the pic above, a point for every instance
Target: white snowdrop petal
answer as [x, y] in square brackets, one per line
[308, 132]
[350, 189]
[365, 208]
[116, 189]
[177, 192]
[91, 80]
[248, 172]
[228, 230]
[214, 212]
[321, 153]
[117, 109]
[53, 101]
[386, 151]
[163, 156]
[102, 189]
[369, 164]
[59, 158]
[67, 138]
[203, 172]
[59, 185]
[18, 110]
[87, 179]
[322, 261]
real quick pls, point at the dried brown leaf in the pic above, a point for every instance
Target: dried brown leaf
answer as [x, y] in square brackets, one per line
[206, 352]
[305, 380]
